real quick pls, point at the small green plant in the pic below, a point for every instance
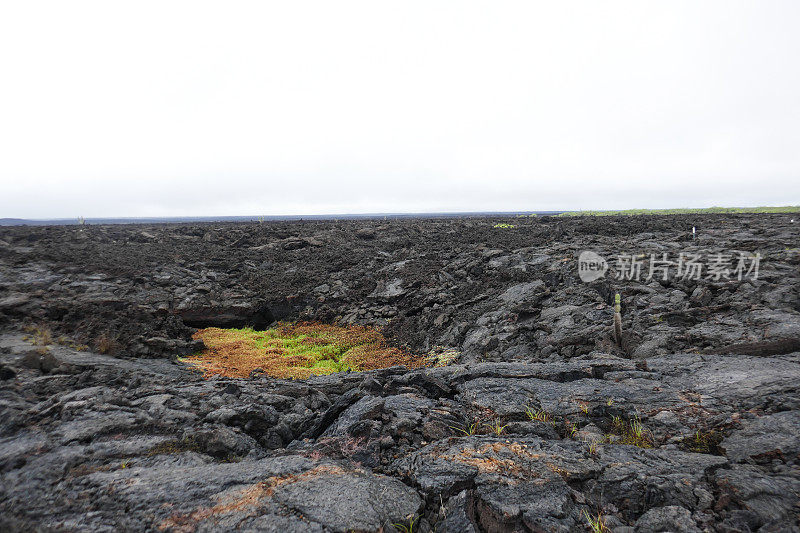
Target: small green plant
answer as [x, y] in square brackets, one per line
[407, 527]
[596, 523]
[504, 226]
[698, 440]
[124, 464]
[632, 432]
[573, 429]
[610, 402]
[538, 415]
[584, 407]
[468, 430]
[496, 427]
[593, 448]
[81, 221]
[703, 442]
[637, 428]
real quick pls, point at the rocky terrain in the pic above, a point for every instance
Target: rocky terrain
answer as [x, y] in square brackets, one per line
[544, 423]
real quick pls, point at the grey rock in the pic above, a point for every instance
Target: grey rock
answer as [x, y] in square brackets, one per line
[388, 291]
[346, 501]
[137, 442]
[14, 301]
[772, 499]
[222, 442]
[765, 437]
[454, 515]
[671, 518]
[522, 292]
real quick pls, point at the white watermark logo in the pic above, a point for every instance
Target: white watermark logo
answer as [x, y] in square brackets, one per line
[591, 266]
[684, 266]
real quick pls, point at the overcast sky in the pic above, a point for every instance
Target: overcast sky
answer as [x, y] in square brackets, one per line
[162, 108]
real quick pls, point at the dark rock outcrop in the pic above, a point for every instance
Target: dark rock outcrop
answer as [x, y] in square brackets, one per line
[542, 423]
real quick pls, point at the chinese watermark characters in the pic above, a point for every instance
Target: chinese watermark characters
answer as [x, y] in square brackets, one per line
[663, 266]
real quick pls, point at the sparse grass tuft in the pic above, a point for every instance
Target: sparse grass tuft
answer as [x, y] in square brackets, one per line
[573, 429]
[632, 432]
[66, 341]
[504, 226]
[703, 442]
[39, 335]
[467, 430]
[406, 527]
[496, 427]
[538, 415]
[106, 344]
[596, 523]
[295, 351]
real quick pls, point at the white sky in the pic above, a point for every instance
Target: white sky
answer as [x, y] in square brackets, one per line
[142, 108]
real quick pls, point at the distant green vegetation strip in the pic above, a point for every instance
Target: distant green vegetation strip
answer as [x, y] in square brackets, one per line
[684, 211]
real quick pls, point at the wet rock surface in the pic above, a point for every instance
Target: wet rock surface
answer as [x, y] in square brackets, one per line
[529, 430]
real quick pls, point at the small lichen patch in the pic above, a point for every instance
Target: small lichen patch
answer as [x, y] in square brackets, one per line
[497, 458]
[245, 500]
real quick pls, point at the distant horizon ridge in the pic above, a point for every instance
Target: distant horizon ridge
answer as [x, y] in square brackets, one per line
[12, 221]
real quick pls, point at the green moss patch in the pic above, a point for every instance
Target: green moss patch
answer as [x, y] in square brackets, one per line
[295, 351]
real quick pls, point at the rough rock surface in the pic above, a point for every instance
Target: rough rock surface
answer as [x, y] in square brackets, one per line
[521, 433]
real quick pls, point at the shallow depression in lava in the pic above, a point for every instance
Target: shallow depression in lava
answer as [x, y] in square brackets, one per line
[295, 351]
